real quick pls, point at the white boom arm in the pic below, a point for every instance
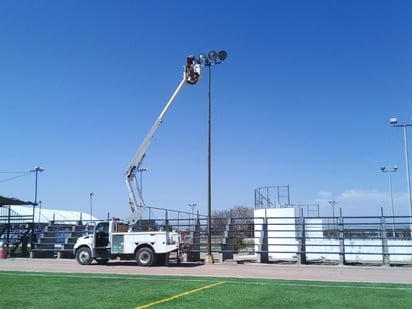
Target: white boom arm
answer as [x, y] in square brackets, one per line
[191, 75]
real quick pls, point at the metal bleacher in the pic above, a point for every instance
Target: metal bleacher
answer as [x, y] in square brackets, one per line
[57, 240]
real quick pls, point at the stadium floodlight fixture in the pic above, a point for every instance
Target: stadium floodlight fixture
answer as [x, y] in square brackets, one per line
[212, 55]
[222, 55]
[212, 58]
[203, 59]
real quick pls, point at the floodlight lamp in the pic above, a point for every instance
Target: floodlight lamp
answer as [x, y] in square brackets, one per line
[203, 59]
[222, 55]
[393, 121]
[383, 168]
[212, 55]
[395, 168]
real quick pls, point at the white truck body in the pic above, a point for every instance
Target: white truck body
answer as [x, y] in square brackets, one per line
[110, 241]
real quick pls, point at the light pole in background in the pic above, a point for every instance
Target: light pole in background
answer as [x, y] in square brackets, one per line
[210, 60]
[141, 170]
[394, 123]
[333, 204]
[36, 170]
[383, 169]
[91, 207]
[38, 226]
[192, 206]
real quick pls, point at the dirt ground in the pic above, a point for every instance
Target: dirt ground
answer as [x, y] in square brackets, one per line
[247, 270]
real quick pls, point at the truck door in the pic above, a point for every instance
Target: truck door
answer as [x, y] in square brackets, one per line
[102, 235]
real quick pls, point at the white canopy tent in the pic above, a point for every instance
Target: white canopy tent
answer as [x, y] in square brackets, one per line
[42, 215]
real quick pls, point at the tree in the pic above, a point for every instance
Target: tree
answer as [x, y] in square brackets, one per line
[239, 220]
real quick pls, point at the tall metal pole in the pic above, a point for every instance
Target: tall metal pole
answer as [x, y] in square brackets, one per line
[408, 179]
[383, 169]
[35, 204]
[141, 170]
[91, 206]
[393, 210]
[209, 172]
[395, 124]
[192, 214]
[37, 169]
[211, 59]
[333, 204]
[38, 225]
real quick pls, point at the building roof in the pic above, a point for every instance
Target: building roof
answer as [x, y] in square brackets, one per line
[42, 215]
[12, 201]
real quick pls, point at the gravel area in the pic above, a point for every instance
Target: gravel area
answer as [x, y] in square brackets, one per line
[246, 270]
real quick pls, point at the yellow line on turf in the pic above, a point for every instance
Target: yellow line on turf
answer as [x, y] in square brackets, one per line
[180, 295]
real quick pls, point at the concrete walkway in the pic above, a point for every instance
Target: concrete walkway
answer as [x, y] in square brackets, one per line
[247, 270]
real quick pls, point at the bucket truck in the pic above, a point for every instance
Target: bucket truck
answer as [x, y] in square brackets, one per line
[115, 238]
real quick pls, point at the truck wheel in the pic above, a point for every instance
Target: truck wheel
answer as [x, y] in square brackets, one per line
[145, 257]
[84, 256]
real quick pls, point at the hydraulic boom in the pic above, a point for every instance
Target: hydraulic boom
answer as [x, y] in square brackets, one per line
[191, 75]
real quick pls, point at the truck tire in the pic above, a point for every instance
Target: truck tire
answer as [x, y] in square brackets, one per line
[145, 257]
[84, 256]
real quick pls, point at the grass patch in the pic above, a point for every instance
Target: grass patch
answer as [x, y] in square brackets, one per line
[61, 290]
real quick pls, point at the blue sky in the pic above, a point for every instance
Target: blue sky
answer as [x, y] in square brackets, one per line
[304, 99]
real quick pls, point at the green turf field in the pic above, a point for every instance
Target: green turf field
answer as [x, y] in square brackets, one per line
[61, 290]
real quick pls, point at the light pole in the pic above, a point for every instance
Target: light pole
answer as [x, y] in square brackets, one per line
[210, 60]
[141, 170]
[333, 204]
[38, 225]
[383, 169]
[36, 170]
[394, 123]
[91, 207]
[192, 206]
